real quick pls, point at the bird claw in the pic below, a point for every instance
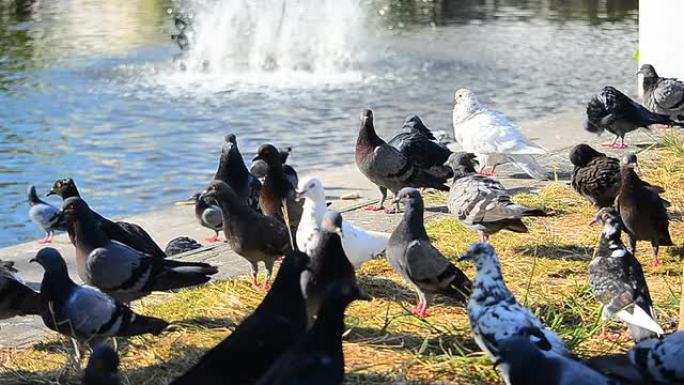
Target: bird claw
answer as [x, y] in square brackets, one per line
[487, 173]
[265, 287]
[419, 311]
[212, 239]
[390, 211]
[615, 145]
[44, 241]
[373, 208]
[656, 263]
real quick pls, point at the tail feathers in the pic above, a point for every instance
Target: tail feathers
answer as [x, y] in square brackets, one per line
[31, 303]
[513, 224]
[459, 286]
[180, 277]
[143, 325]
[617, 366]
[535, 213]
[205, 268]
[529, 165]
[638, 320]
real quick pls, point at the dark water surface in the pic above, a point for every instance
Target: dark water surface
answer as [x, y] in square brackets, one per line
[90, 89]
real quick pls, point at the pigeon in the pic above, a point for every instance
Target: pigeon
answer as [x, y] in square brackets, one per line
[317, 358]
[482, 203]
[208, 215]
[278, 196]
[16, 298]
[274, 326]
[329, 264]
[119, 270]
[615, 112]
[663, 95]
[618, 282]
[388, 167]
[125, 232]
[653, 361]
[422, 150]
[103, 367]
[232, 170]
[643, 212]
[524, 363]
[359, 245]
[259, 167]
[252, 235]
[45, 215]
[595, 176]
[181, 245]
[418, 262]
[495, 314]
[413, 124]
[492, 137]
[85, 313]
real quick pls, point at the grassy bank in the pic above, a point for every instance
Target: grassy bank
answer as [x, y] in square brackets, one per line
[384, 343]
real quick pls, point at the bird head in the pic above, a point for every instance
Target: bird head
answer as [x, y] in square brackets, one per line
[217, 189]
[50, 259]
[481, 254]
[73, 207]
[648, 71]
[103, 365]
[366, 117]
[409, 196]
[284, 154]
[607, 215]
[312, 188]
[631, 160]
[462, 163]
[62, 187]
[332, 223]
[269, 154]
[465, 102]
[582, 154]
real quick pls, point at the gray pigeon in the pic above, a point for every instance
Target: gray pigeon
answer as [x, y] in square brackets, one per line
[45, 215]
[525, 363]
[495, 314]
[663, 95]
[103, 367]
[481, 203]
[208, 215]
[388, 167]
[414, 258]
[252, 235]
[16, 299]
[232, 170]
[618, 282]
[84, 312]
[180, 245]
[119, 270]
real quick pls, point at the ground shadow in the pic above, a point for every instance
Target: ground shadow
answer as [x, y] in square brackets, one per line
[569, 252]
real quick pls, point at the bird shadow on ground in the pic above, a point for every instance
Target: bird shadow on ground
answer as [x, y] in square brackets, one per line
[438, 209]
[378, 287]
[431, 345]
[207, 323]
[563, 251]
[676, 251]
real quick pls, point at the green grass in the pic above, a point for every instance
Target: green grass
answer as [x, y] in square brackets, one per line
[384, 343]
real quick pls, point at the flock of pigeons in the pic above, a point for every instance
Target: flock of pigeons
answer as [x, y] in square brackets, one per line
[268, 214]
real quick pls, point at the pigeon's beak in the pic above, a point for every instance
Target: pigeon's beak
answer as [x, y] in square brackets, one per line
[188, 202]
[301, 195]
[51, 192]
[465, 257]
[256, 157]
[497, 363]
[32, 260]
[594, 221]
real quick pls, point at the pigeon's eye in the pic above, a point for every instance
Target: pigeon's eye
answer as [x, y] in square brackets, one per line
[311, 185]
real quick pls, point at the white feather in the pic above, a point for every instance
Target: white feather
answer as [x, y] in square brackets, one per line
[640, 318]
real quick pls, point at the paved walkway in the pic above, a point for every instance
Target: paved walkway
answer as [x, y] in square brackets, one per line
[557, 134]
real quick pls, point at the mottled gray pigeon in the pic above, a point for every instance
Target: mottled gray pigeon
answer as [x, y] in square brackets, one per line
[16, 299]
[618, 282]
[119, 270]
[84, 312]
[414, 258]
[103, 367]
[496, 315]
[663, 95]
[208, 215]
[388, 167]
[45, 215]
[482, 204]
[180, 245]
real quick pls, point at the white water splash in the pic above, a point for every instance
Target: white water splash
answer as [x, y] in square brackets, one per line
[286, 43]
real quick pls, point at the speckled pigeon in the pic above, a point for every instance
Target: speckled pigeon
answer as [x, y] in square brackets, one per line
[663, 95]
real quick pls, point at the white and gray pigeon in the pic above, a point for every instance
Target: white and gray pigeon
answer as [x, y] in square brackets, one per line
[418, 262]
[482, 203]
[663, 95]
[16, 298]
[495, 314]
[359, 245]
[119, 270]
[85, 313]
[618, 282]
[492, 137]
[525, 363]
[45, 215]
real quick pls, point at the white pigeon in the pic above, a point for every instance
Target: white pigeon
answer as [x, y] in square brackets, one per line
[359, 245]
[496, 315]
[492, 137]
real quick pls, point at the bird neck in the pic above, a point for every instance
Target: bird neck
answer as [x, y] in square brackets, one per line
[231, 205]
[276, 181]
[56, 285]
[231, 168]
[317, 209]
[70, 191]
[330, 253]
[630, 180]
[413, 218]
[87, 232]
[489, 286]
[326, 332]
[650, 82]
[610, 239]
[286, 292]
[368, 137]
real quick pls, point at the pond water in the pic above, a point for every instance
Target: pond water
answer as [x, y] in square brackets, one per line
[98, 91]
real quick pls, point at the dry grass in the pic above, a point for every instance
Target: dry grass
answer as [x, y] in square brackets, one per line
[385, 344]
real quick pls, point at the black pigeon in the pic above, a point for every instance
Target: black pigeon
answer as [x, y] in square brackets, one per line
[232, 170]
[414, 258]
[423, 151]
[45, 215]
[329, 264]
[181, 245]
[252, 235]
[103, 367]
[643, 212]
[524, 363]
[618, 282]
[317, 359]
[388, 167]
[16, 299]
[595, 176]
[259, 167]
[119, 270]
[663, 95]
[125, 232]
[278, 196]
[84, 312]
[614, 111]
[276, 324]
[208, 215]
